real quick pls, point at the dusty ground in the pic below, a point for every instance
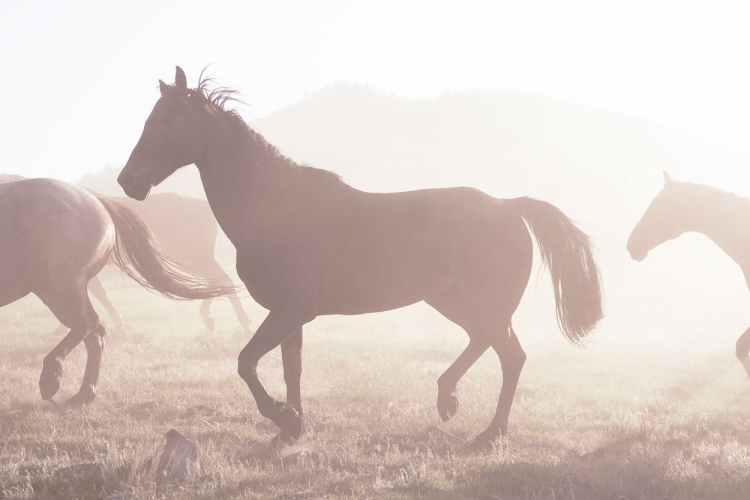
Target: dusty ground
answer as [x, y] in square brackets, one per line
[614, 421]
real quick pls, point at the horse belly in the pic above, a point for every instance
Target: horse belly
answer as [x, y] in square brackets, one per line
[376, 288]
[14, 279]
[351, 287]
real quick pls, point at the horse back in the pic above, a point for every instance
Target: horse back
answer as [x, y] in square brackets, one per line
[368, 252]
[50, 229]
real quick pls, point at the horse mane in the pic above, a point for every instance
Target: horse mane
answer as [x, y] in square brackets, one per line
[220, 99]
[714, 195]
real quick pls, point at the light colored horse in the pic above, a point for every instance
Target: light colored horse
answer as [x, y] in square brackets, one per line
[308, 245]
[683, 207]
[54, 238]
[187, 230]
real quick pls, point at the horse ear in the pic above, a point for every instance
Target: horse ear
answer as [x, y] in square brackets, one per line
[163, 87]
[667, 178]
[179, 79]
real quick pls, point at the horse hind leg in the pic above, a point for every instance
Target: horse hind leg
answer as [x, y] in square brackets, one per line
[512, 358]
[97, 290]
[72, 307]
[743, 350]
[94, 342]
[447, 401]
[453, 307]
[485, 314]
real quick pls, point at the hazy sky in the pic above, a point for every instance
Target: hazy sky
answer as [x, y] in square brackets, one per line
[80, 77]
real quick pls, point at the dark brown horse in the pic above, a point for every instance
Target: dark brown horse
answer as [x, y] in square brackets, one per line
[187, 231]
[308, 245]
[55, 237]
[683, 207]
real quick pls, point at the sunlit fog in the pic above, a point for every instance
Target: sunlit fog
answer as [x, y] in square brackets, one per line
[628, 120]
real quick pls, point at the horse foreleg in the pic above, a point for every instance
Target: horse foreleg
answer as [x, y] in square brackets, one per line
[447, 402]
[512, 358]
[97, 289]
[94, 349]
[273, 331]
[743, 350]
[291, 357]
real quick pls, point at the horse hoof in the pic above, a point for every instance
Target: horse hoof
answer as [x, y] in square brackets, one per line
[289, 421]
[485, 441]
[49, 380]
[447, 406]
[281, 440]
[83, 398]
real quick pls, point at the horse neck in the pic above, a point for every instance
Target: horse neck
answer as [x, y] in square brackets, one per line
[236, 176]
[722, 217]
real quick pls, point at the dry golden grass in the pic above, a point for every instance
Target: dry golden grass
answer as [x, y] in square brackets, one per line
[615, 421]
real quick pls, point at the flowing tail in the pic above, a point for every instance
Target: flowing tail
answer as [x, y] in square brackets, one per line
[568, 253]
[136, 247]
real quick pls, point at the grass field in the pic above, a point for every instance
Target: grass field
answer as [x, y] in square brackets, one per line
[615, 421]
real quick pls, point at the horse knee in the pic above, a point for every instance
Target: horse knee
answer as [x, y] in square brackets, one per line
[247, 367]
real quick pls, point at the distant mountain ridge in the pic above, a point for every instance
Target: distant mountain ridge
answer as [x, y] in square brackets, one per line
[387, 143]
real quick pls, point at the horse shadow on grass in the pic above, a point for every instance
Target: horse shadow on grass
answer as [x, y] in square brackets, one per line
[630, 466]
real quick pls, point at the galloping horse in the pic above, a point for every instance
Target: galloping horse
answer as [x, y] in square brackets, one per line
[187, 231]
[54, 238]
[308, 245]
[683, 207]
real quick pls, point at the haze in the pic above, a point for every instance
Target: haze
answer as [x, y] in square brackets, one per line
[81, 76]
[581, 104]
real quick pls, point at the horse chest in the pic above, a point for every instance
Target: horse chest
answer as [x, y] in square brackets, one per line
[273, 277]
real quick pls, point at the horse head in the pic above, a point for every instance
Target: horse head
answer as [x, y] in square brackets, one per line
[664, 220]
[174, 135]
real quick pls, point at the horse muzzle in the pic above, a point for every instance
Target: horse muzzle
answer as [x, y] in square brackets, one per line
[637, 255]
[132, 188]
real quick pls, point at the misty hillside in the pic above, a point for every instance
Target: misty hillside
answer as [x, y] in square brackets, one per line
[505, 143]
[601, 168]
